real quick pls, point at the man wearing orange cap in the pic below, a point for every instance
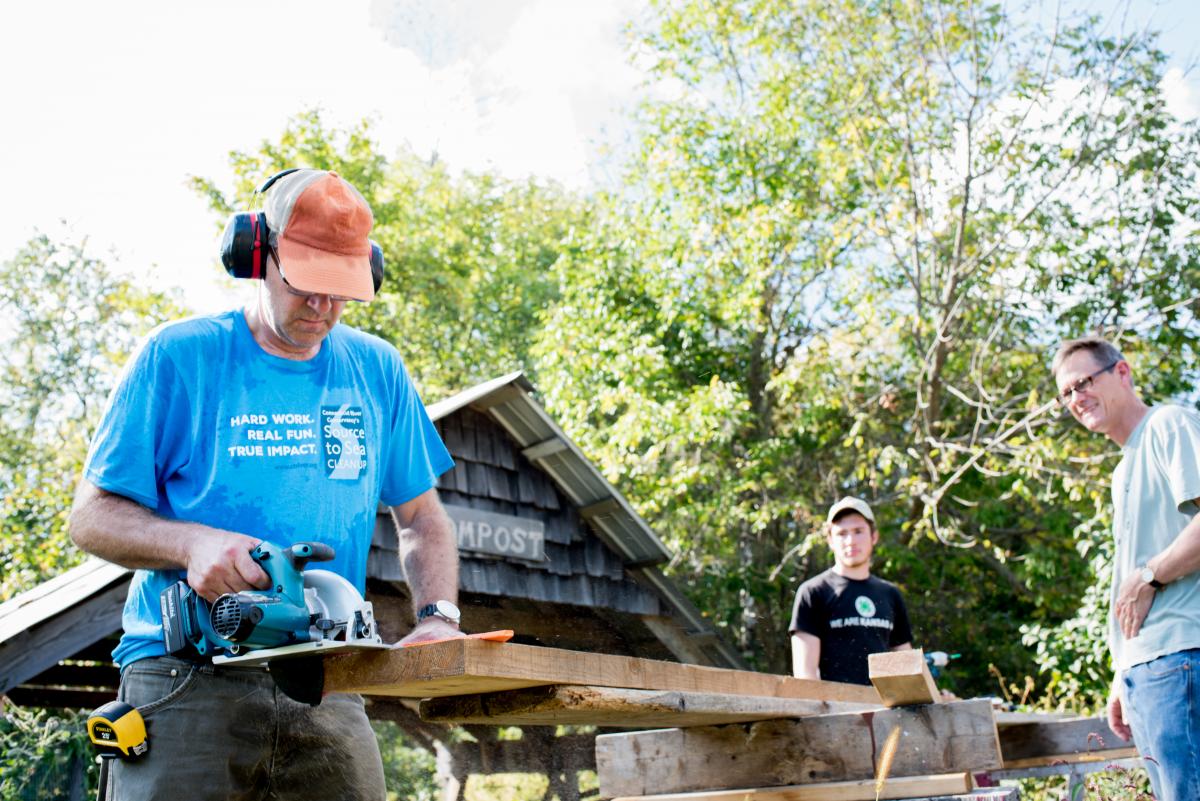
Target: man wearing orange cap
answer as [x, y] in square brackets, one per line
[845, 614]
[273, 422]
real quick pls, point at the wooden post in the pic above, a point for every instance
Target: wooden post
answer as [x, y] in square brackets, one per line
[903, 677]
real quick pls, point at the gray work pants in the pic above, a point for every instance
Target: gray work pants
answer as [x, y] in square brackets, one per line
[228, 733]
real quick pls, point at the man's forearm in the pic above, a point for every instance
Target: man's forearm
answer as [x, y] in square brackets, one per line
[806, 656]
[1181, 557]
[126, 533]
[428, 552]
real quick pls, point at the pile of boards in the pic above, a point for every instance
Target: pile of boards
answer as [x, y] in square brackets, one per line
[712, 733]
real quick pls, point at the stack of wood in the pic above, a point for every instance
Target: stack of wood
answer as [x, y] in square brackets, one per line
[733, 735]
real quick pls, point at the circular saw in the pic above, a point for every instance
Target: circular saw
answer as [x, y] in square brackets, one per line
[303, 613]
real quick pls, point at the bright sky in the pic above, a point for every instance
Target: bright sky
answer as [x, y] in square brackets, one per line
[112, 105]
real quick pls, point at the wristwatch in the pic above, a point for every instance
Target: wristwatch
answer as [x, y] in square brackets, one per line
[1148, 577]
[443, 609]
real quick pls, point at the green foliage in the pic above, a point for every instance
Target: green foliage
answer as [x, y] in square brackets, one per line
[43, 754]
[1113, 784]
[468, 257]
[843, 256]
[408, 769]
[69, 324]
[506, 787]
[1073, 654]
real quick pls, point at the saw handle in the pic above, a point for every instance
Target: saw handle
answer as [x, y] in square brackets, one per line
[302, 553]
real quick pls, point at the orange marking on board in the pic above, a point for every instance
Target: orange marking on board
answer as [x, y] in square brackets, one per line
[500, 635]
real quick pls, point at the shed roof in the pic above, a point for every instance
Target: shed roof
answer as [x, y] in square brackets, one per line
[510, 402]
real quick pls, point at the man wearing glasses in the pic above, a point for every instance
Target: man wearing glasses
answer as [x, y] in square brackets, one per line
[1154, 627]
[272, 422]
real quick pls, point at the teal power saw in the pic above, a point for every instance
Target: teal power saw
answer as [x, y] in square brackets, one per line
[303, 613]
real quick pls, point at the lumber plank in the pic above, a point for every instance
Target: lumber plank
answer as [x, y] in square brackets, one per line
[468, 667]
[933, 739]
[903, 677]
[1031, 744]
[561, 704]
[908, 787]
[1013, 718]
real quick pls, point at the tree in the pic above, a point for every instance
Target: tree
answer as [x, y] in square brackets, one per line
[70, 324]
[847, 246]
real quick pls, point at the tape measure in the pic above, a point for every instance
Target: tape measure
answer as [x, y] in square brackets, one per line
[119, 730]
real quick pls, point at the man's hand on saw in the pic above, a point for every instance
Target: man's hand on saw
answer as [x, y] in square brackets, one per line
[429, 630]
[219, 562]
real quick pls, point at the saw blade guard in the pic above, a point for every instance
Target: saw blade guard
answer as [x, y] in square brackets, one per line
[337, 611]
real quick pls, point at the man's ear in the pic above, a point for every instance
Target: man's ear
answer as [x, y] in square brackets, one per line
[829, 538]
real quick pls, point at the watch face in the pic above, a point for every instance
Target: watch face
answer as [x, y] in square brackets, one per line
[448, 610]
[1147, 575]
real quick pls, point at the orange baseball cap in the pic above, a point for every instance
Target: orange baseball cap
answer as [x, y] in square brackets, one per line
[320, 226]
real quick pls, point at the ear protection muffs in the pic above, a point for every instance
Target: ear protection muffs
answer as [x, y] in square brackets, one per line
[245, 243]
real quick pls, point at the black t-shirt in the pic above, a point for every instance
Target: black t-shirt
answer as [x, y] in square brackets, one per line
[853, 619]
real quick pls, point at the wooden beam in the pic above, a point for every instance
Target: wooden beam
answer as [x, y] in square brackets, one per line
[604, 506]
[1004, 718]
[547, 447]
[1026, 745]
[606, 706]
[934, 739]
[903, 678]
[530, 619]
[500, 396]
[686, 646]
[78, 676]
[468, 667]
[908, 787]
[47, 643]
[49, 697]
[99, 651]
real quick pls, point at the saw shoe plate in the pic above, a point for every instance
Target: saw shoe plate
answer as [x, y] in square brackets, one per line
[260, 656]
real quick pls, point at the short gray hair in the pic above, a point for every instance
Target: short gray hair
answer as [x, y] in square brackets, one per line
[1103, 351]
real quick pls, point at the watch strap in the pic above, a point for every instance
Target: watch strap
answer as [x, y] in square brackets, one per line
[431, 610]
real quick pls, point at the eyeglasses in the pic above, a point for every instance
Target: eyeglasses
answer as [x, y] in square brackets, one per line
[1082, 385]
[299, 293]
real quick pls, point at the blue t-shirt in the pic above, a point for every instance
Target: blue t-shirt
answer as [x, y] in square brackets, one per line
[206, 426]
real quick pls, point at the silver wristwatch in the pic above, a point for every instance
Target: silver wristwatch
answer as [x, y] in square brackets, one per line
[443, 609]
[1148, 577]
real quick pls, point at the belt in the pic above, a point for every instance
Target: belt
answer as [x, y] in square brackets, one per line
[206, 666]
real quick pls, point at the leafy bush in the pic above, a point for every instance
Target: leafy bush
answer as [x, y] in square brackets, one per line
[43, 755]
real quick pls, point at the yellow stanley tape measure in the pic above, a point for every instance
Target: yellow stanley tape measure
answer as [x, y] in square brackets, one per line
[118, 728]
